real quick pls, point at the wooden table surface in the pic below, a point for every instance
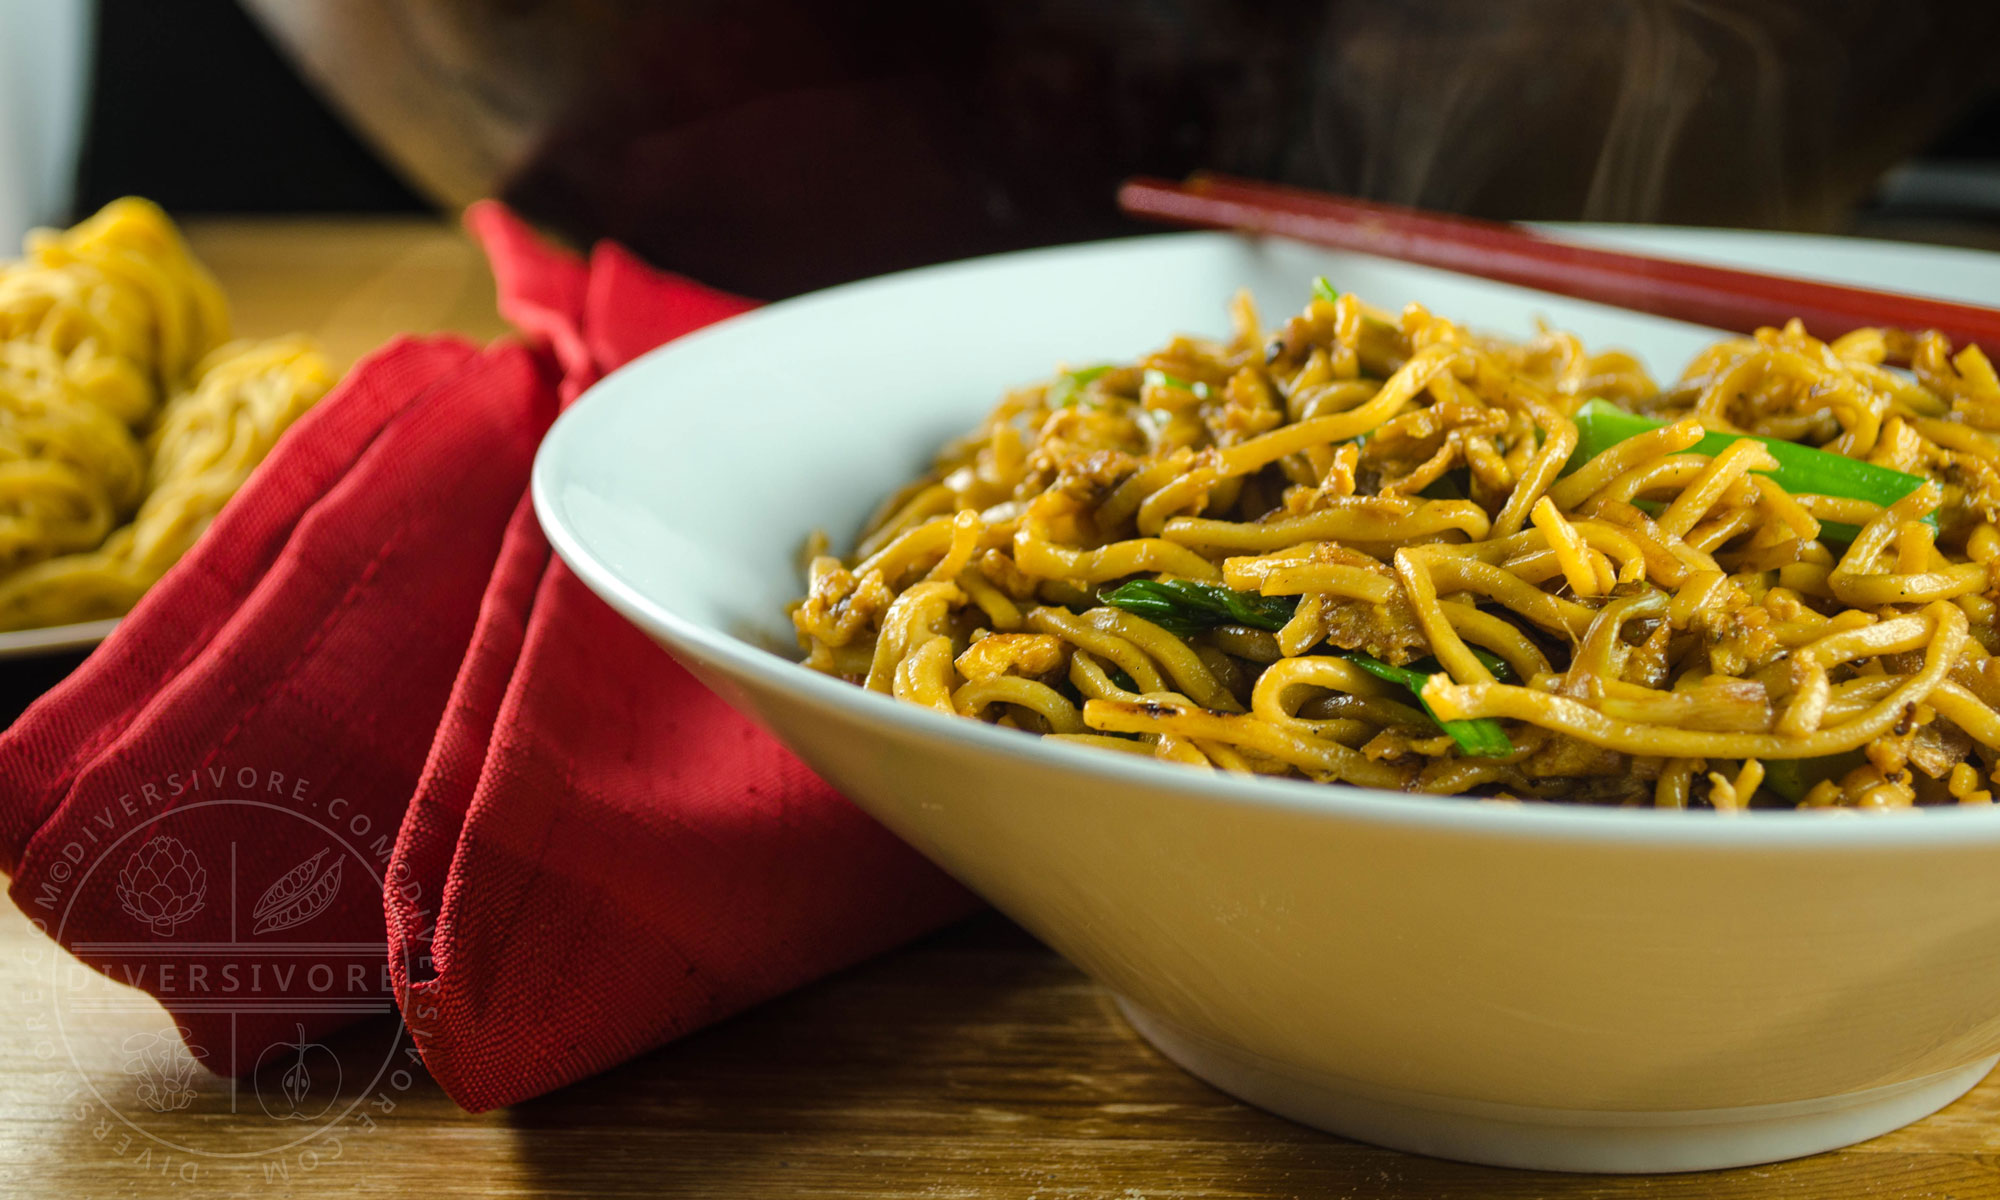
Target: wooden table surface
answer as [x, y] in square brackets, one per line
[973, 1064]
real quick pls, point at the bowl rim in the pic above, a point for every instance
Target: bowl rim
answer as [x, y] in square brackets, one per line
[1938, 826]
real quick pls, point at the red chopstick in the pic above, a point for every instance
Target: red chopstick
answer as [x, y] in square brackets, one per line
[1718, 296]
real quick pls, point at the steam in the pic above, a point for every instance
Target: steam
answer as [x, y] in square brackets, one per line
[1611, 110]
[1667, 69]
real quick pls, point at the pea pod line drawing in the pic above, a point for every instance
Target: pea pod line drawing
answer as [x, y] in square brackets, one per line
[299, 895]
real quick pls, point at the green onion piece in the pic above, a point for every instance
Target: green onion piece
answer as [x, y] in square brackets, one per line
[1481, 737]
[1496, 664]
[1802, 470]
[1117, 675]
[1431, 666]
[1162, 379]
[1323, 290]
[1185, 607]
[1792, 778]
[1070, 384]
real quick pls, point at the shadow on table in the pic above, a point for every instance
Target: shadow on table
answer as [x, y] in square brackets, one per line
[979, 1063]
[974, 1063]
[23, 680]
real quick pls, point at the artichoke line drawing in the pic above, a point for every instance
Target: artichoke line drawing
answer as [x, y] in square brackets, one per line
[162, 885]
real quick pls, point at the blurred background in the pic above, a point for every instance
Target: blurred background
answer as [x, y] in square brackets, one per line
[771, 146]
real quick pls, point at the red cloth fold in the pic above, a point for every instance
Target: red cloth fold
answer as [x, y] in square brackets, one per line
[373, 667]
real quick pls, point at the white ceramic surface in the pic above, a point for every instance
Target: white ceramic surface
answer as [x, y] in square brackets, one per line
[1546, 986]
[44, 70]
[54, 639]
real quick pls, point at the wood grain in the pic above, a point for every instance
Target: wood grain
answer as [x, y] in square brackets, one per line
[351, 282]
[974, 1064]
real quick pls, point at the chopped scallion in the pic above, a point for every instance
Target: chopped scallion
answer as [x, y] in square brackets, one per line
[1070, 384]
[1185, 607]
[1802, 470]
[1162, 379]
[1481, 737]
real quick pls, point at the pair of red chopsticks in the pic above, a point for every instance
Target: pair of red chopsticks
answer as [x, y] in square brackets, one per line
[1718, 296]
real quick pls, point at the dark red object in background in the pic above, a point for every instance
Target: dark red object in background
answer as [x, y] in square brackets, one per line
[773, 146]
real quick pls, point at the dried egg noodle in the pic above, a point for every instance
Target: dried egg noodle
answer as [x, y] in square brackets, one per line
[126, 417]
[1398, 554]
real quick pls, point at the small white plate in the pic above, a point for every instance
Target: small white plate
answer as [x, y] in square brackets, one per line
[55, 639]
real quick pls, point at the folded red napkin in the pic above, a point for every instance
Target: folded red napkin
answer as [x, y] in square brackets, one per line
[372, 669]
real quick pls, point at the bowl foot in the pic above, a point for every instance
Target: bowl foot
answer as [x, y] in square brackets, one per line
[1552, 1139]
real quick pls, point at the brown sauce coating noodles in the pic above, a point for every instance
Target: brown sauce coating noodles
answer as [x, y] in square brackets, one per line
[1658, 621]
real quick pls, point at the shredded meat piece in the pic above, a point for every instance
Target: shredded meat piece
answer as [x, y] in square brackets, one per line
[1394, 745]
[1971, 494]
[1028, 654]
[1249, 407]
[1981, 679]
[1002, 572]
[1073, 434]
[841, 606]
[1566, 757]
[1613, 790]
[1090, 477]
[1386, 631]
[1906, 662]
[1411, 451]
[1937, 747]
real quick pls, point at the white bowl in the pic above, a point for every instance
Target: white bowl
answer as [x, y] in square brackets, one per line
[1539, 986]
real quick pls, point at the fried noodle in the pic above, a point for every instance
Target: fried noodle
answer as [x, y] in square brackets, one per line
[1391, 552]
